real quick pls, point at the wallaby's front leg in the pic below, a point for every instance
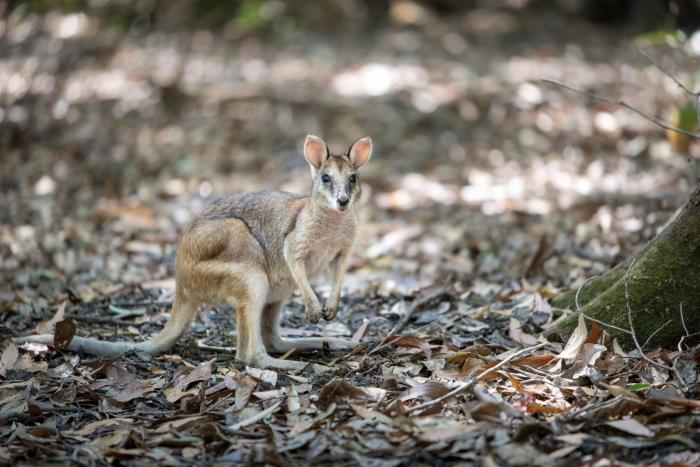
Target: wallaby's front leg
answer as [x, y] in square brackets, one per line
[339, 267]
[297, 268]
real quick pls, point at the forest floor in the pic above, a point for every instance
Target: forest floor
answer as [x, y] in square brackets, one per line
[488, 193]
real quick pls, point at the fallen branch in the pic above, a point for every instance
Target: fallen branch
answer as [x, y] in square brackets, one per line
[473, 380]
[694, 95]
[624, 104]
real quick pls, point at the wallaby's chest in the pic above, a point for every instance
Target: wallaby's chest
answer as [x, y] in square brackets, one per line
[319, 258]
[323, 243]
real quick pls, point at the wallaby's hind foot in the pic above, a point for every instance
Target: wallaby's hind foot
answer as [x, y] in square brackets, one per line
[266, 361]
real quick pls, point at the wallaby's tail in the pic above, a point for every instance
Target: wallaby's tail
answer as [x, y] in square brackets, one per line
[87, 344]
[180, 319]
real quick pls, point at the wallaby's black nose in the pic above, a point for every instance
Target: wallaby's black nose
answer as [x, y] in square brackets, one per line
[343, 201]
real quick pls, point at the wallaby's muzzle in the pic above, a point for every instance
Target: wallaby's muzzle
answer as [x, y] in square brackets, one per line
[343, 201]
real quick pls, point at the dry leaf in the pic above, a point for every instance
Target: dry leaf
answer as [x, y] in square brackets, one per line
[631, 426]
[64, 333]
[139, 388]
[516, 333]
[516, 384]
[427, 390]
[534, 361]
[535, 407]
[268, 376]
[470, 364]
[576, 341]
[94, 427]
[413, 342]
[255, 418]
[201, 372]
[46, 327]
[339, 390]
[64, 396]
[9, 358]
[594, 335]
[116, 438]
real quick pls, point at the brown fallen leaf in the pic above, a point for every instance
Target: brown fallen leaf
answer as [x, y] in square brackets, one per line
[45, 327]
[339, 389]
[64, 395]
[616, 408]
[116, 438]
[535, 407]
[94, 427]
[535, 361]
[413, 342]
[594, 335]
[176, 391]
[429, 390]
[516, 333]
[9, 357]
[471, 363]
[519, 388]
[178, 424]
[63, 333]
[138, 388]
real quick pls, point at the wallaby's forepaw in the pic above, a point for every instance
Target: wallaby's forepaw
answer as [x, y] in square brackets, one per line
[329, 311]
[313, 312]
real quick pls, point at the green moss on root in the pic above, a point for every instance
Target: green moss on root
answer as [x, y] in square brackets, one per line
[665, 275]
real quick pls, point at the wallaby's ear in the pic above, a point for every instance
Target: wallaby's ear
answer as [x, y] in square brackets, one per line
[360, 151]
[315, 151]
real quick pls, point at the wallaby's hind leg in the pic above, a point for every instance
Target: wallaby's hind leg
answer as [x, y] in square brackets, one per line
[250, 347]
[274, 341]
[271, 315]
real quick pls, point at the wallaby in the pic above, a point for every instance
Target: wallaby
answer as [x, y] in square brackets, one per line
[250, 250]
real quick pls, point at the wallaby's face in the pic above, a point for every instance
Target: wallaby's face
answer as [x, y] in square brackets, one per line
[336, 181]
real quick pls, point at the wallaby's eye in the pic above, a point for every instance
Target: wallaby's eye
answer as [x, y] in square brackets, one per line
[353, 178]
[325, 178]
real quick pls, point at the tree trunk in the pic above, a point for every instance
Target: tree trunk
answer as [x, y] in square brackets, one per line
[664, 276]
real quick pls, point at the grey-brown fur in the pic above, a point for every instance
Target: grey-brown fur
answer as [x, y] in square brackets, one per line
[252, 250]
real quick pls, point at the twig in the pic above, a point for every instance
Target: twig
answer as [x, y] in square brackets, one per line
[407, 317]
[656, 332]
[685, 328]
[624, 104]
[674, 364]
[590, 318]
[578, 307]
[473, 380]
[634, 334]
[694, 95]
[662, 70]
[417, 306]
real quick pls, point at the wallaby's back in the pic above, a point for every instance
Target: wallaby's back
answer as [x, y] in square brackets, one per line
[267, 215]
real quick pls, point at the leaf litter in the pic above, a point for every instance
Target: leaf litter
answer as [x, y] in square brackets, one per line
[451, 276]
